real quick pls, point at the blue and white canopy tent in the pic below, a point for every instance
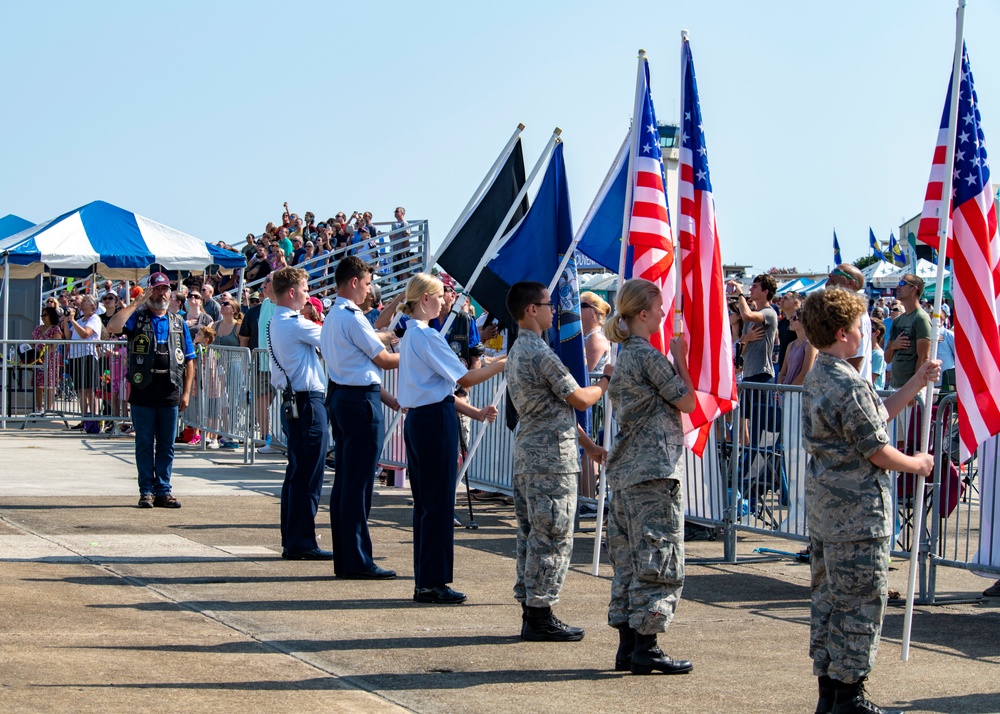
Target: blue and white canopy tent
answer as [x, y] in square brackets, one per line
[798, 285]
[11, 224]
[105, 239]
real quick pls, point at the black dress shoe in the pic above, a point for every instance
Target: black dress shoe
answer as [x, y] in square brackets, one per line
[438, 596]
[314, 554]
[373, 573]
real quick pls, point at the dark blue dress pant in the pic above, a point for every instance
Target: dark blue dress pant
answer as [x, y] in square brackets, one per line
[431, 435]
[300, 493]
[358, 426]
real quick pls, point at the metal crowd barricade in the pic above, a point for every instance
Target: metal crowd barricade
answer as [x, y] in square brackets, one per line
[46, 384]
[766, 466]
[966, 507]
[220, 399]
[264, 408]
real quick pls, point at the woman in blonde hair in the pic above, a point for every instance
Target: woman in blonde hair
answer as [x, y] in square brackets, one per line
[593, 312]
[428, 371]
[645, 467]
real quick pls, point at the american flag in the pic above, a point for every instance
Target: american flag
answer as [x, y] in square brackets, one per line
[974, 248]
[706, 322]
[649, 233]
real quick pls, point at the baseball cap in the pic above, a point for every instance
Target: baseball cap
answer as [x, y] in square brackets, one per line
[315, 302]
[158, 279]
[449, 282]
[364, 229]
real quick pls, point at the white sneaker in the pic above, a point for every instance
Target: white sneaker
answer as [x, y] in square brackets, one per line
[267, 449]
[212, 444]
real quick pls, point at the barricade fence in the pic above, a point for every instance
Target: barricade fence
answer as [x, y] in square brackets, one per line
[751, 477]
[65, 380]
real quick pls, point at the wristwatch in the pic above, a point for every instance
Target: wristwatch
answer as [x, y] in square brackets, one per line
[604, 376]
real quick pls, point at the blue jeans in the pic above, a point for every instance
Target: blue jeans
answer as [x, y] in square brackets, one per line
[155, 431]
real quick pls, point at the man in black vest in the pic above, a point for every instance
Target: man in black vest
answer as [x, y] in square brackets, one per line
[160, 373]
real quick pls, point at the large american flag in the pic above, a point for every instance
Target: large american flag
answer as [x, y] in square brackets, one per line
[649, 233]
[706, 322]
[974, 248]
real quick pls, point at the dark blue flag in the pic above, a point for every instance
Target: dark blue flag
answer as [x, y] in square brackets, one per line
[534, 251]
[601, 231]
[836, 250]
[876, 248]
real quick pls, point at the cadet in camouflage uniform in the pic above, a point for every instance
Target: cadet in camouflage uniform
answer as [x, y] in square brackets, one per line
[848, 498]
[645, 469]
[546, 462]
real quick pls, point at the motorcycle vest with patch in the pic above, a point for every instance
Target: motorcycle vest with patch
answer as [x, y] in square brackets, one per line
[148, 360]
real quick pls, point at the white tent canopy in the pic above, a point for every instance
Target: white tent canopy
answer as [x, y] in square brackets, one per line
[111, 241]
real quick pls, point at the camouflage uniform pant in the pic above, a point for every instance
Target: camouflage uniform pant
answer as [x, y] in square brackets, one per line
[646, 545]
[545, 507]
[849, 589]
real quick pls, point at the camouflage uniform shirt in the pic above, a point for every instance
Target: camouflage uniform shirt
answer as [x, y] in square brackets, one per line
[539, 383]
[650, 443]
[843, 426]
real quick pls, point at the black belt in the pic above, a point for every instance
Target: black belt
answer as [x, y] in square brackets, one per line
[356, 388]
[446, 400]
[309, 395]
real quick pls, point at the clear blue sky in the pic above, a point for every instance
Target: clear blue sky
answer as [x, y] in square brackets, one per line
[206, 116]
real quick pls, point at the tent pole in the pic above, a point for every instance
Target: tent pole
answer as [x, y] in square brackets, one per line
[239, 289]
[6, 336]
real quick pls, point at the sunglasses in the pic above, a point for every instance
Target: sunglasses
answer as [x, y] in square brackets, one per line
[587, 305]
[194, 296]
[107, 299]
[550, 305]
[901, 283]
[795, 318]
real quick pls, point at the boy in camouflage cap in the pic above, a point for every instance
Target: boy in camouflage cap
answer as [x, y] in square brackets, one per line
[546, 461]
[848, 498]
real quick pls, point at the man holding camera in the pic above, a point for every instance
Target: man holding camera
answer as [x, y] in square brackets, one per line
[296, 370]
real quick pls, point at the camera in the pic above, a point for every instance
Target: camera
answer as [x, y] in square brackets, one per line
[289, 405]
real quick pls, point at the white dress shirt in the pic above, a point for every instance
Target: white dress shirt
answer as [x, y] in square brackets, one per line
[349, 345]
[428, 368]
[295, 340]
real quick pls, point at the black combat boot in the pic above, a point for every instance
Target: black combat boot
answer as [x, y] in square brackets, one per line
[827, 694]
[540, 625]
[851, 699]
[626, 645]
[647, 657]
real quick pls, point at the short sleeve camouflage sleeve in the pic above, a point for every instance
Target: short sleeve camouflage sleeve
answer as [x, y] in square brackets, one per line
[538, 384]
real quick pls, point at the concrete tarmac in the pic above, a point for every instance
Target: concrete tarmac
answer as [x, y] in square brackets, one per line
[106, 607]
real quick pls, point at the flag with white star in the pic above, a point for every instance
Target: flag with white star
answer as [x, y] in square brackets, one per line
[705, 315]
[649, 234]
[974, 248]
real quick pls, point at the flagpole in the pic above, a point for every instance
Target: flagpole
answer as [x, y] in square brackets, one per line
[6, 332]
[943, 221]
[602, 488]
[491, 249]
[501, 231]
[503, 382]
[490, 175]
[469, 207]
[679, 294]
